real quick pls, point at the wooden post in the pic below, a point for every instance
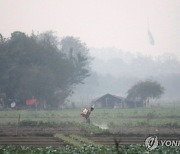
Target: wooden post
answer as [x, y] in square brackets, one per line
[18, 125]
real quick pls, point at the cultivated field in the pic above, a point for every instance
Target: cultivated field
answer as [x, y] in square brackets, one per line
[111, 129]
[107, 118]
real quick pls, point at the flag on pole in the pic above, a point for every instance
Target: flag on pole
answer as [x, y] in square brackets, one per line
[150, 36]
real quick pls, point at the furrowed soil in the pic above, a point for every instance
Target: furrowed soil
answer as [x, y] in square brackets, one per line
[49, 131]
[43, 136]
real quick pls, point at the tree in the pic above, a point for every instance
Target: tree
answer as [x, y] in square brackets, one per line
[36, 66]
[144, 90]
[77, 53]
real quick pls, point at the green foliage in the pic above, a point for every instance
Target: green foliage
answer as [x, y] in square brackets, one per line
[35, 66]
[68, 140]
[75, 140]
[151, 115]
[88, 149]
[144, 90]
[128, 124]
[171, 125]
[84, 140]
[115, 117]
[65, 124]
[142, 123]
[37, 123]
[111, 124]
[86, 128]
[92, 129]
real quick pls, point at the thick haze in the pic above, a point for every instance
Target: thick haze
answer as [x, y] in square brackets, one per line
[123, 36]
[118, 71]
[99, 23]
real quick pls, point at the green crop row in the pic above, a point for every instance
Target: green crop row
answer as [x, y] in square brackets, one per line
[88, 149]
[41, 123]
[85, 128]
[76, 140]
[84, 140]
[117, 117]
[68, 140]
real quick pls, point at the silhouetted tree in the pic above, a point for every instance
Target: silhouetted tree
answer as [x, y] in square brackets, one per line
[144, 90]
[38, 66]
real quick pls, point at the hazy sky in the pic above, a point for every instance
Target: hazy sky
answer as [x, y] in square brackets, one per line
[99, 23]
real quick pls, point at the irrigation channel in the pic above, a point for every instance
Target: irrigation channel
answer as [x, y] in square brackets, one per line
[43, 141]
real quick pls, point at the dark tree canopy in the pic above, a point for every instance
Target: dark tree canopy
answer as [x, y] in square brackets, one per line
[42, 66]
[144, 90]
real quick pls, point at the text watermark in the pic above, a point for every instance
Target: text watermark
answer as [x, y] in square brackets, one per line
[152, 142]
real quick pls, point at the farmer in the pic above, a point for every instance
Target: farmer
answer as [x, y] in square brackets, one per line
[86, 113]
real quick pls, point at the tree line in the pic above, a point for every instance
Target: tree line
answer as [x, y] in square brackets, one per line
[42, 66]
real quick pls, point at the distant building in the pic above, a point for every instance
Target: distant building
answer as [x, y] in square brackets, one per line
[109, 101]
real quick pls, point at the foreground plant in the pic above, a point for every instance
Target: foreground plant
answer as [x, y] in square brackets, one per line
[87, 149]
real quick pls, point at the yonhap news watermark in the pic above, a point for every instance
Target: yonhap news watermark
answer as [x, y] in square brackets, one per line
[153, 142]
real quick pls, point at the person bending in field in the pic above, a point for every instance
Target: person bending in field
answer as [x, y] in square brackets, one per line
[86, 113]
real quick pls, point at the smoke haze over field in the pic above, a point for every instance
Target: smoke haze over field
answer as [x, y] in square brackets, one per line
[130, 40]
[116, 61]
[115, 71]
[150, 27]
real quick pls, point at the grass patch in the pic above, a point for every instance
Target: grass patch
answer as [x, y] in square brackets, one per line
[68, 140]
[84, 140]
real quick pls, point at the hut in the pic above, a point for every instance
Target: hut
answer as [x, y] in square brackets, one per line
[109, 101]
